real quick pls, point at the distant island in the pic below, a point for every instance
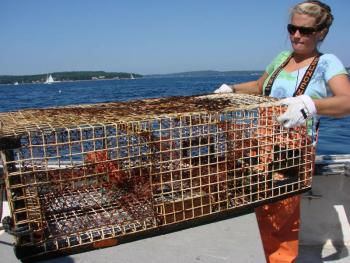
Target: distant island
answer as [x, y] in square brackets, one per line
[67, 76]
[212, 73]
[102, 75]
[205, 73]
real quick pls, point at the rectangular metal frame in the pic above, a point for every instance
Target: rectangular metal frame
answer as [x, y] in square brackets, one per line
[88, 185]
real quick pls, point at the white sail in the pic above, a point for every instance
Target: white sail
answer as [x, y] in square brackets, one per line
[49, 80]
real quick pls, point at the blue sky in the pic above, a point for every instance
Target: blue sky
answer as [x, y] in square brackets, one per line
[153, 36]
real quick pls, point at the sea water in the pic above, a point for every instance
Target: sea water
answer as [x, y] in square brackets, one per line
[334, 133]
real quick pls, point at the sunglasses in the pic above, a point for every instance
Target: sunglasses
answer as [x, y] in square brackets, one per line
[303, 30]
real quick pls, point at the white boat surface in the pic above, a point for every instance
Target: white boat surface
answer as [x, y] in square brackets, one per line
[324, 235]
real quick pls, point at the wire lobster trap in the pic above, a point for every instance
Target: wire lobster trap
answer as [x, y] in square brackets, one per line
[89, 176]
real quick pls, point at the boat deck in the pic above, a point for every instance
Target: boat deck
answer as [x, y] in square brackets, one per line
[325, 231]
[232, 240]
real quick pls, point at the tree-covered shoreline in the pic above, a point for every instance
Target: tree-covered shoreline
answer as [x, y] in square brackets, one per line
[67, 76]
[102, 75]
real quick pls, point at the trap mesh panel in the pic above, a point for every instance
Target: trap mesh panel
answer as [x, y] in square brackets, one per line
[88, 175]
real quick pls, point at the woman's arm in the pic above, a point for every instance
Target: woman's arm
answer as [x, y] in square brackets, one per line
[339, 104]
[302, 107]
[251, 87]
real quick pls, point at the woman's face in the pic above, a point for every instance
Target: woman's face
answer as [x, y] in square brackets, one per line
[304, 44]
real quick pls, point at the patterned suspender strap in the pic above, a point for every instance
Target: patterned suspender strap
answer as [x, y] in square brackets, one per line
[307, 77]
[274, 75]
[305, 82]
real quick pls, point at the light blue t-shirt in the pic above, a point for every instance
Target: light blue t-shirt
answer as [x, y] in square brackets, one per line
[286, 83]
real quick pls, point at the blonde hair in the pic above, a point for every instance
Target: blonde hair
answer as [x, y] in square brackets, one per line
[320, 11]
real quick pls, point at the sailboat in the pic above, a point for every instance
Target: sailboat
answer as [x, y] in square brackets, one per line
[49, 80]
[131, 76]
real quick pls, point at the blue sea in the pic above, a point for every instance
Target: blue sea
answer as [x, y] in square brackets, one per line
[334, 133]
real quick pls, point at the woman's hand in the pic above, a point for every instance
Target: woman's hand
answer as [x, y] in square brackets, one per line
[299, 109]
[224, 88]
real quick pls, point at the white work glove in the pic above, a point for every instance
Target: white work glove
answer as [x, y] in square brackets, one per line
[299, 109]
[224, 88]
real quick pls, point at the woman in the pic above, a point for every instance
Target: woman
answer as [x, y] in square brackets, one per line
[326, 92]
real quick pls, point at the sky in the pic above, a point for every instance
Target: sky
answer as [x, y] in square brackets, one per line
[153, 36]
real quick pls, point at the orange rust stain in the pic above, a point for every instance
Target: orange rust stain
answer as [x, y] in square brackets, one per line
[103, 164]
[105, 243]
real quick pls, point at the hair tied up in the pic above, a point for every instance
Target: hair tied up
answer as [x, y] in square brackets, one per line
[320, 4]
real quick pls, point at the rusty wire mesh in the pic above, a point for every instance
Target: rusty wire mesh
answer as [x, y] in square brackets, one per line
[83, 174]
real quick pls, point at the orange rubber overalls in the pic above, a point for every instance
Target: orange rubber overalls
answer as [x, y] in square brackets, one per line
[279, 221]
[279, 229]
